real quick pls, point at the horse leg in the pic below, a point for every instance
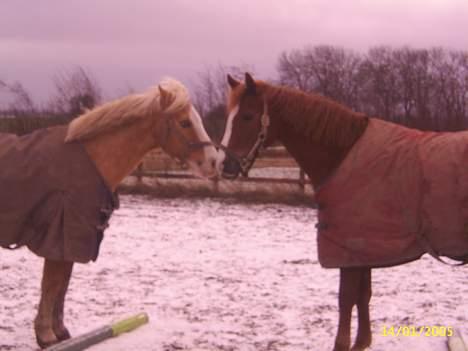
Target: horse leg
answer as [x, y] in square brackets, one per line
[364, 334]
[348, 297]
[49, 318]
[58, 326]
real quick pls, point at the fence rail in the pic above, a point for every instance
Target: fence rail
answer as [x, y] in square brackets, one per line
[159, 165]
[301, 181]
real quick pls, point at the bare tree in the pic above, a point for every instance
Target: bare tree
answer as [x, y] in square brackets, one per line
[76, 90]
[422, 88]
[210, 91]
[210, 88]
[294, 71]
[450, 74]
[328, 70]
[21, 102]
[381, 95]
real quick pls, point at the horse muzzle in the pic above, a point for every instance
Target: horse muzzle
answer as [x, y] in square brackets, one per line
[230, 168]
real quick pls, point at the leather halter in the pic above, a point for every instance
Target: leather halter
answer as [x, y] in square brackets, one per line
[247, 161]
[189, 146]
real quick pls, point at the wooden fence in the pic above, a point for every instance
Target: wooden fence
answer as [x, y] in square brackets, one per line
[160, 165]
[301, 181]
[161, 176]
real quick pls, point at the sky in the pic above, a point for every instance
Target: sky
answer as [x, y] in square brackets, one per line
[133, 44]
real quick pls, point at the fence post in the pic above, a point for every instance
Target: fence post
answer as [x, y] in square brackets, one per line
[216, 185]
[139, 173]
[302, 179]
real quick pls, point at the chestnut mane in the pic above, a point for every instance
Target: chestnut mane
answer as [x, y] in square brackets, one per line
[324, 120]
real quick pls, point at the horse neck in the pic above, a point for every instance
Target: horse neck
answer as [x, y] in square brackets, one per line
[117, 153]
[317, 157]
[317, 161]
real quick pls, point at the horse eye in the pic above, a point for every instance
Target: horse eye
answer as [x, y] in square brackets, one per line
[247, 117]
[185, 123]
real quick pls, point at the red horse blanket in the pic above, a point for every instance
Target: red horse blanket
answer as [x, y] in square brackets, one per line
[53, 199]
[398, 194]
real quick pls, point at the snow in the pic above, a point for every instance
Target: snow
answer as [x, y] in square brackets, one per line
[218, 275]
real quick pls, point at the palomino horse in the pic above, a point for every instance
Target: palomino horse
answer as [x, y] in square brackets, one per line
[62, 194]
[386, 194]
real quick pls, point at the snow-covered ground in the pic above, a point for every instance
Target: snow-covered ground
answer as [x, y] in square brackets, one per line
[218, 275]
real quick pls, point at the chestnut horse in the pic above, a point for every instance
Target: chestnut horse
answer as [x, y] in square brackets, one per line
[115, 137]
[319, 133]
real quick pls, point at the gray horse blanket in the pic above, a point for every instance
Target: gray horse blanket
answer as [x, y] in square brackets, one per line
[52, 198]
[398, 194]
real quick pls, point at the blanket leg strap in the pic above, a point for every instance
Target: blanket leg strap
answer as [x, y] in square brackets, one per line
[428, 248]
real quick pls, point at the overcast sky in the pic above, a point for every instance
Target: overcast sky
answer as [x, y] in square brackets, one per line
[136, 43]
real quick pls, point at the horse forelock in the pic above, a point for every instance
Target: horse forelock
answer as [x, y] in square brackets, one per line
[128, 109]
[178, 91]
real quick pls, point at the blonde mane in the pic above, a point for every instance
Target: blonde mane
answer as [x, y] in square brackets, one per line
[126, 110]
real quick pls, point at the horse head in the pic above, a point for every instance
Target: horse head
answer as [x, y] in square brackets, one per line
[248, 127]
[180, 130]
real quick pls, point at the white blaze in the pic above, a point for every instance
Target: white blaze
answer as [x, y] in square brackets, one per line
[229, 123]
[209, 151]
[198, 125]
[226, 137]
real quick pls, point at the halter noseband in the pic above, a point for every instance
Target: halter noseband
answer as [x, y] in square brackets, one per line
[247, 161]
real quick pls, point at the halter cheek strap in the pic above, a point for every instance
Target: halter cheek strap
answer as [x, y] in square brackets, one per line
[247, 161]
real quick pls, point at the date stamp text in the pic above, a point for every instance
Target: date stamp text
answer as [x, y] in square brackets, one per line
[412, 330]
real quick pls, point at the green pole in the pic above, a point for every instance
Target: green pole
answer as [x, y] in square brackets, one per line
[98, 335]
[129, 324]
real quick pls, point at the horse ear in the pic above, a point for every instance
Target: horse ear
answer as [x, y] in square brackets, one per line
[165, 98]
[250, 85]
[232, 82]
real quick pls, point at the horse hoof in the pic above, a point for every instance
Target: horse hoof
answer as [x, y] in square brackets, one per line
[63, 334]
[360, 346]
[45, 343]
[341, 348]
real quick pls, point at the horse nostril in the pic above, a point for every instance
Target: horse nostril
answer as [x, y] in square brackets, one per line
[231, 168]
[199, 163]
[213, 163]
